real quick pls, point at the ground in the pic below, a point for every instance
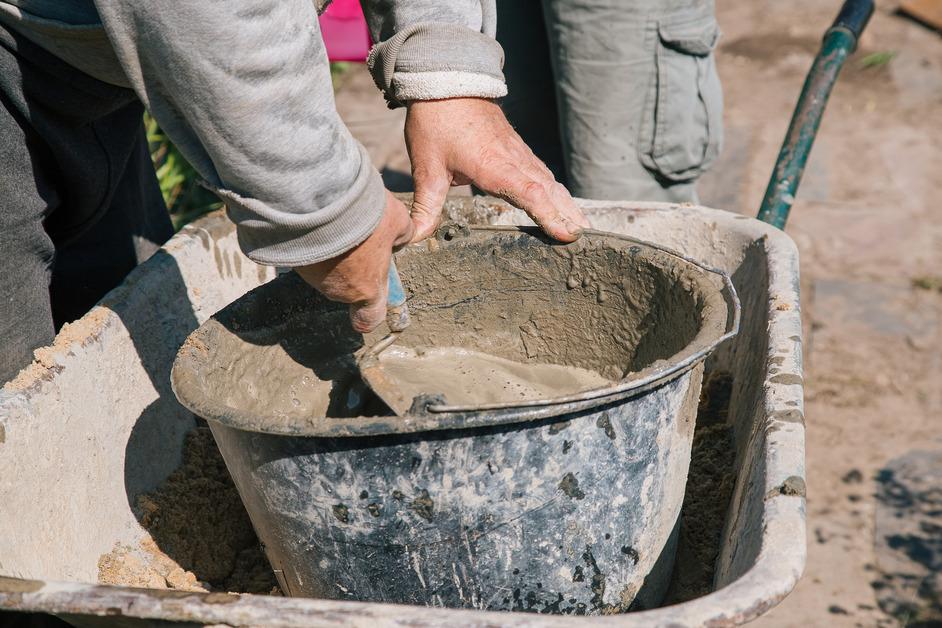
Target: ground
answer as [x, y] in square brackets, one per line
[868, 224]
[867, 227]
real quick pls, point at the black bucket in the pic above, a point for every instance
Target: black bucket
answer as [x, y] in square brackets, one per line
[563, 505]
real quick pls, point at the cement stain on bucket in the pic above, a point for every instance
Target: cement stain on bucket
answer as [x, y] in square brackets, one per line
[462, 506]
[570, 486]
[708, 491]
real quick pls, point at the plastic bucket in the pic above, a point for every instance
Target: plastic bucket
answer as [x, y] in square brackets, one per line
[346, 35]
[565, 506]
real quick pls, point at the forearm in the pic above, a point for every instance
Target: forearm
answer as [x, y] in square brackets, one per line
[432, 49]
[244, 91]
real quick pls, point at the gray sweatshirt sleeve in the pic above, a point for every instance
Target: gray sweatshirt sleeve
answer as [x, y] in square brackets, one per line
[242, 87]
[432, 49]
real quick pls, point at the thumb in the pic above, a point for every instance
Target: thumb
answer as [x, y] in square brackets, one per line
[366, 315]
[431, 188]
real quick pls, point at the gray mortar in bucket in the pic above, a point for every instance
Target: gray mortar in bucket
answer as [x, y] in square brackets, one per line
[563, 506]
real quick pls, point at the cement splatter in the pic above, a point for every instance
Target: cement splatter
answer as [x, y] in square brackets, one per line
[570, 486]
[424, 506]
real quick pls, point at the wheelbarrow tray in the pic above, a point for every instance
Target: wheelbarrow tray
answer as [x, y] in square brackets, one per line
[93, 423]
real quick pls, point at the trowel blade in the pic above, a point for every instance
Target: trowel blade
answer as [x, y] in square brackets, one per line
[385, 388]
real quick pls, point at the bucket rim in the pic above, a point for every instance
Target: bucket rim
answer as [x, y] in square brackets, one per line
[634, 381]
[430, 416]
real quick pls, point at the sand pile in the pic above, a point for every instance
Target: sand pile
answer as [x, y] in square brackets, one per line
[710, 484]
[202, 539]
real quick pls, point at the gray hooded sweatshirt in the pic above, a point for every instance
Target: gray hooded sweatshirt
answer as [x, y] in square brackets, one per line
[242, 87]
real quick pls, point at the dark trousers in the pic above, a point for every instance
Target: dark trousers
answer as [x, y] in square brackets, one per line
[79, 202]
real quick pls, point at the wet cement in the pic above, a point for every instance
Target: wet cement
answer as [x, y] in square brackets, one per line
[471, 377]
[283, 359]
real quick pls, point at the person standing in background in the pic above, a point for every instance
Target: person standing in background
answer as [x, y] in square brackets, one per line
[621, 99]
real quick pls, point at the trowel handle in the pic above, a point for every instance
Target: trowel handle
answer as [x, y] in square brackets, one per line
[397, 312]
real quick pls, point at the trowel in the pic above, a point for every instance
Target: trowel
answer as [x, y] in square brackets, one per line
[371, 371]
[413, 381]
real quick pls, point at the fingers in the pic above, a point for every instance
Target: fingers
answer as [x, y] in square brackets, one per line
[567, 206]
[402, 225]
[431, 188]
[365, 316]
[539, 199]
[359, 276]
[470, 140]
[534, 168]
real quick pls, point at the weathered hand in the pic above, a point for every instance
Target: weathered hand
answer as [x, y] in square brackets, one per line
[468, 140]
[358, 277]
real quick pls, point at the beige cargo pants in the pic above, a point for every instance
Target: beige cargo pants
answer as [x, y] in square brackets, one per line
[621, 98]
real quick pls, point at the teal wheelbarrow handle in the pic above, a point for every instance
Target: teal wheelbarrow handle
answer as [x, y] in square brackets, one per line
[839, 42]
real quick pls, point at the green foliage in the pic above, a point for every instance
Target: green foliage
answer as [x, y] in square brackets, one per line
[338, 72]
[930, 283]
[877, 59]
[179, 182]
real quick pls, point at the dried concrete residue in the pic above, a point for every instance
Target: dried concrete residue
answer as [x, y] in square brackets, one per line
[202, 539]
[570, 486]
[46, 359]
[424, 506]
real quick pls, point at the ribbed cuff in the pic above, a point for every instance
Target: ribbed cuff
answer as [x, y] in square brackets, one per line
[467, 63]
[277, 238]
[437, 85]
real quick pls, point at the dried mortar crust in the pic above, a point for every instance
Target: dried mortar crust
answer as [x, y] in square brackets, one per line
[45, 358]
[282, 354]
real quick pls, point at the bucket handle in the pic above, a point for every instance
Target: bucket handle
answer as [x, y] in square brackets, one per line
[628, 386]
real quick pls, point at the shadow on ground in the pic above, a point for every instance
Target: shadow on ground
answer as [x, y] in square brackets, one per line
[908, 539]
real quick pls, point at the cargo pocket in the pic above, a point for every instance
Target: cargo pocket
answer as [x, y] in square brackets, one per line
[682, 128]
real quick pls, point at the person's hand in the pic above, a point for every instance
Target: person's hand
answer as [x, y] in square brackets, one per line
[358, 277]
[468, 140]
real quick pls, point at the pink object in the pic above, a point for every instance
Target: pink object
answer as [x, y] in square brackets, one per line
[344, 30]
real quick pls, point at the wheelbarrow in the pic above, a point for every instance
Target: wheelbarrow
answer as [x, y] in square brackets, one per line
[93, 423]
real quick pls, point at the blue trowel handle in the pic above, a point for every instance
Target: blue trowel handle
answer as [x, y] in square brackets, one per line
[397, 312]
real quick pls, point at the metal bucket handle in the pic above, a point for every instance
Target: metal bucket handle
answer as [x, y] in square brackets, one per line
[626, 387]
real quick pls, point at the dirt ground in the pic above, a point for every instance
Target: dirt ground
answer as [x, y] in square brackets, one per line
[868, 224]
